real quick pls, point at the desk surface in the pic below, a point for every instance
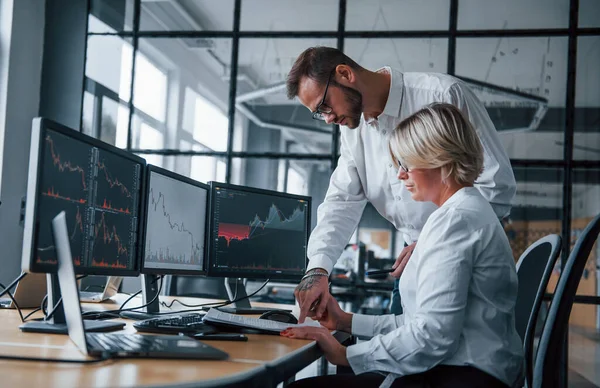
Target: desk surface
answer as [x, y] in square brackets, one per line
[262, 361]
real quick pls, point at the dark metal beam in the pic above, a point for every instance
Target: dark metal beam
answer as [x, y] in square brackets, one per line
[234, 154]
[452, 28]
[357, 34]
[335, 133]
[136, 26]
[503, 89]
[235, 45]
[580, 299]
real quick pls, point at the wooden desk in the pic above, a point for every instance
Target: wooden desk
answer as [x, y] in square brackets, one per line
[263, 361]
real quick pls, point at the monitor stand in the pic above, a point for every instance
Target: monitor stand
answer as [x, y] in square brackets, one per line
[58, 324]
[149, 292]
[236, 289]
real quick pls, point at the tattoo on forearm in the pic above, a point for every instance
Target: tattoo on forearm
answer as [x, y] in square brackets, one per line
[308, 283]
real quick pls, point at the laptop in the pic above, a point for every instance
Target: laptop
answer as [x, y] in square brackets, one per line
[29, 293]
[115, 345]
[110, 289]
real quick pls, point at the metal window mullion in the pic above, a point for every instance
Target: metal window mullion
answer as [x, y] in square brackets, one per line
[83, 86]
[97, 117]
[568, 158]
[399, 34]
[451, 65]
[136, 27]
[335, 132]
[569, 127]
[235, 47]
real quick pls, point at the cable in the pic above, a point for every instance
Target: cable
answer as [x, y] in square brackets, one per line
[38, 359]
[236, 288]
[12, 298]
[58, 303]
[115, 313]
[51, 313]
[31, 313]
[43, 305]
[247, 296]
[211, 304]
[13, 283]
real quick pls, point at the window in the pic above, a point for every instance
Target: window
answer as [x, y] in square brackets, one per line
[296, 184]
[150, 87]
[151, 138]
[208, 124]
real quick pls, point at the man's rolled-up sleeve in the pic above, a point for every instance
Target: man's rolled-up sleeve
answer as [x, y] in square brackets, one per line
[338, 215]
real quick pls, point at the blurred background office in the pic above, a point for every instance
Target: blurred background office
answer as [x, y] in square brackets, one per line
[197, 87]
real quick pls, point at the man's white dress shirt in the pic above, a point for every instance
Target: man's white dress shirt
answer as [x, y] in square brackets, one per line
[458, 295]
[365, 171]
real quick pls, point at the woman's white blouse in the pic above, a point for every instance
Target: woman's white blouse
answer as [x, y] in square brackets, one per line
[458, 295]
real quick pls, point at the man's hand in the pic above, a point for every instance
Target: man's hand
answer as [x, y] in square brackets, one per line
[334, 351]
[335, 318]
[313, 295]
[402, 260]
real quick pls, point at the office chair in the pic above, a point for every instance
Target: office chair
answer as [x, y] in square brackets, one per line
[198, 287]
[547, 368]
[534, 269]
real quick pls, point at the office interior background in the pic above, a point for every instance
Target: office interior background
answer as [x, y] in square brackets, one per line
[198, 87]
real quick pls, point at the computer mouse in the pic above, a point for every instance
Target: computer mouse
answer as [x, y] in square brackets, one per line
[279, 316]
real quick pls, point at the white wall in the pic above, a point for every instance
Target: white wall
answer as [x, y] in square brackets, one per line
[6, 12]
[20, 92]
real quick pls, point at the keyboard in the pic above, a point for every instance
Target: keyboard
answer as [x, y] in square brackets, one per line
[89, 294]
[174, 324]
[125, 342]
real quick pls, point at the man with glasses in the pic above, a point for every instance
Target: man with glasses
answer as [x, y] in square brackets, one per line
[368, 106]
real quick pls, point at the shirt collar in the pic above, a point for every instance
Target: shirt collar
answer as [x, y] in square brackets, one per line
[394, 100]
[459, 194]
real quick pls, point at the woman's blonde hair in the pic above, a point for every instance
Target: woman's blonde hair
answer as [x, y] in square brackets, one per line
[439, 135]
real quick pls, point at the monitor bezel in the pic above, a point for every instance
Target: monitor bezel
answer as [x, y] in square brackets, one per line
[210, 259]
[169, 271]
[31, 228]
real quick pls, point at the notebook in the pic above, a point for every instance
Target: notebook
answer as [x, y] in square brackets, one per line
[272, 327]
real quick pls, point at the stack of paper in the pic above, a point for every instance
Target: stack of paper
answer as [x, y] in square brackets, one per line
[217, 316]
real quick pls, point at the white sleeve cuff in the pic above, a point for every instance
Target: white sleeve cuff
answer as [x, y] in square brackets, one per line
[358, 357]
[363, 325]
[320, 261]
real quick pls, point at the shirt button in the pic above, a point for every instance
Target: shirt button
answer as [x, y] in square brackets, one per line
[384, 132]
[390, 166]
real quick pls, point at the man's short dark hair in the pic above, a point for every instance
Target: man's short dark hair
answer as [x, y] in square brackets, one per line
[316, 63]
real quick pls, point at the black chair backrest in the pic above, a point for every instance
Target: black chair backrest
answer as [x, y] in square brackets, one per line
[547, 367]
[198, 286]
[534, 269]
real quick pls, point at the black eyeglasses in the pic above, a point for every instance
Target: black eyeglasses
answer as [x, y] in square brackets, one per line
[322, 108]
[402, 167]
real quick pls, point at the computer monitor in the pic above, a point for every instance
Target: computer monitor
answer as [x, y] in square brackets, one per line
[175, 224]
[98, 186]
[174, 231]
[255, 233]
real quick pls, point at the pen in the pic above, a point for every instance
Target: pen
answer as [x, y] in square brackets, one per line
[379, 271]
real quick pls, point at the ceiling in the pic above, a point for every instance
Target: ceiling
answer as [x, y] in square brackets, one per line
[533, 65]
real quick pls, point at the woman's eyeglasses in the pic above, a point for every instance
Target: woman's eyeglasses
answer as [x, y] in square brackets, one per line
[401, 167]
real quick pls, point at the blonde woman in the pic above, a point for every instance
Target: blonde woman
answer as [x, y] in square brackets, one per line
[459, 288]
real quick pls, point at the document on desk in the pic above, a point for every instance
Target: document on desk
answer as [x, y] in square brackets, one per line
[217, 316]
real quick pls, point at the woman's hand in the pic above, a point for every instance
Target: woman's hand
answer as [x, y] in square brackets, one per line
[402, 260]
[334, 351]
